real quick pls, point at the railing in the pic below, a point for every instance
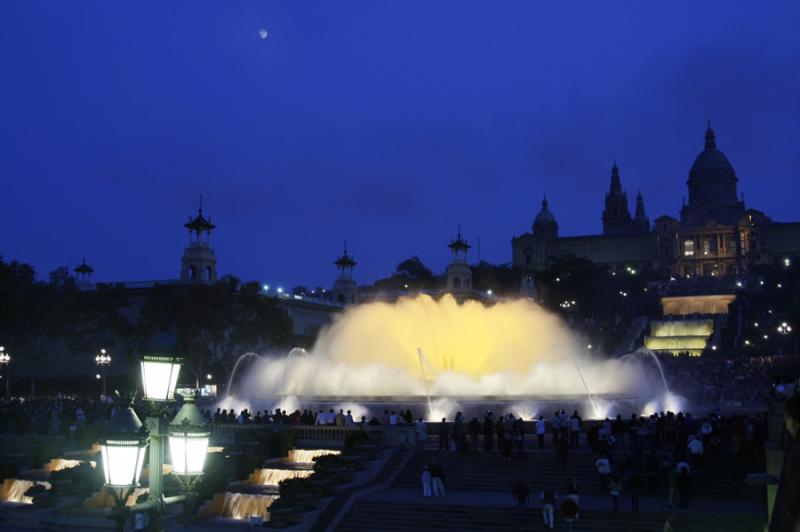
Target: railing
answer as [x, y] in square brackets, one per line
[402, 435]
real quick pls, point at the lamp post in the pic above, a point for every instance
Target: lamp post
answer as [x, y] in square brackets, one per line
[122, 448]
[5, 359]
[102, 360]
[188, 436]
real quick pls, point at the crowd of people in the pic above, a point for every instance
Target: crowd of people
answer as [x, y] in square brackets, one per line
[660, 453]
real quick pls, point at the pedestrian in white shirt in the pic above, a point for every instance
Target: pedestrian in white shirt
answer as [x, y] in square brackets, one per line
[426, 482]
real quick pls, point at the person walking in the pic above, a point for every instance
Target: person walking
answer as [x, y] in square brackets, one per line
[549, 499]
[603, 471]
[615, 488]
[635, 486]
[521, 493]
[437, 480]
[427, 480]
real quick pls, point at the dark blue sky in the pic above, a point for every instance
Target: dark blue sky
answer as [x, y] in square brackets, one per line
[382, 122]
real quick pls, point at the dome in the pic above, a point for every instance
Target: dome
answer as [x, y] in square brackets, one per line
[711, 164]
[544, 216]
[545, 225]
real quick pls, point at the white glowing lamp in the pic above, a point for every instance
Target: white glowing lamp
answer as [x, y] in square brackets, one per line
[122, 448]
[188, 440]
[160, 376]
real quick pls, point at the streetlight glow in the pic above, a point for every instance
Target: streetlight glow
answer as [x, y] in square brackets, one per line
[160, 376]
[123, 449]
[188, 440]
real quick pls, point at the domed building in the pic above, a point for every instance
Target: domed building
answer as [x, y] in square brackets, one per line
[716, 235]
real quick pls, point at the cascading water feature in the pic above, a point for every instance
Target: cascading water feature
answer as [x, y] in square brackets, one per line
[13, 490]
[306, 456]
[238, 506]
[272, 477]
[103, 499]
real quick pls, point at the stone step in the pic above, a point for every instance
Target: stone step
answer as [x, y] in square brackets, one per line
[389, 517]
[485, 471]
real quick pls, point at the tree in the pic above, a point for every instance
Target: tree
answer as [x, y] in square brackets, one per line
[413, 269]
[29, 316]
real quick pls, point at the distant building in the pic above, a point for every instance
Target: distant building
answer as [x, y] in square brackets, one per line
[715, 236]
[345, 290]
[199, 264]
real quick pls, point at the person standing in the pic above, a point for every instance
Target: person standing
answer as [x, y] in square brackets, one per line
[488, 432]
[575, 430]
[444, 435]
[549, 499]
[427, 480]
[541, 430]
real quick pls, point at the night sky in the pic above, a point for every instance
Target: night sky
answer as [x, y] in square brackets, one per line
[385, 123]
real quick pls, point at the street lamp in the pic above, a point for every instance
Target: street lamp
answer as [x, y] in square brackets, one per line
[160, 376]
[122, 449]
[188, 437]
[102, 360]
[5, 359]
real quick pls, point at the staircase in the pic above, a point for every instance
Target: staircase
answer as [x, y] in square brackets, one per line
[389, 517]
[680, 336]
[485, 471]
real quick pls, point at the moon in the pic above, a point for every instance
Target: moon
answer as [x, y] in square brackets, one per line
[262, 33]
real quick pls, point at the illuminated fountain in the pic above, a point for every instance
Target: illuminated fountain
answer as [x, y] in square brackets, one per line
[272, 477]
[13, 490]
[238, 506]
[306, 456]
[425, 350]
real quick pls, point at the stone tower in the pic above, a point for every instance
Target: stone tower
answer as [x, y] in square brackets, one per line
[545, 226]
[84, 272]
[344, 287]
[641, 223]
[199, 265]
[616, 216]
[459, 274]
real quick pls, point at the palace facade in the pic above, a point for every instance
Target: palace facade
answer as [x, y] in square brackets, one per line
[716, 235]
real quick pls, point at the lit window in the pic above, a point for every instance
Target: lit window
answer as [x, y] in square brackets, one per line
[688, 248]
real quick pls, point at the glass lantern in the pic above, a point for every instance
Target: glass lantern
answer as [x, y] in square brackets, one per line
[123, 448]
[188, 440]
[160, 376]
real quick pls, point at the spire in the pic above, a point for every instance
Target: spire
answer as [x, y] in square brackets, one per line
[616, 216]
[711, 142]
[641, 223]
[544, 203]
[616, 185]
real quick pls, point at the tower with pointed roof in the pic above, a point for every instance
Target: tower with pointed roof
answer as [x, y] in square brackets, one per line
[641, 223]
[199, 264]
[616, 216]
[459, 274]
[545, 226]
[345, 290]
[84, 272]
